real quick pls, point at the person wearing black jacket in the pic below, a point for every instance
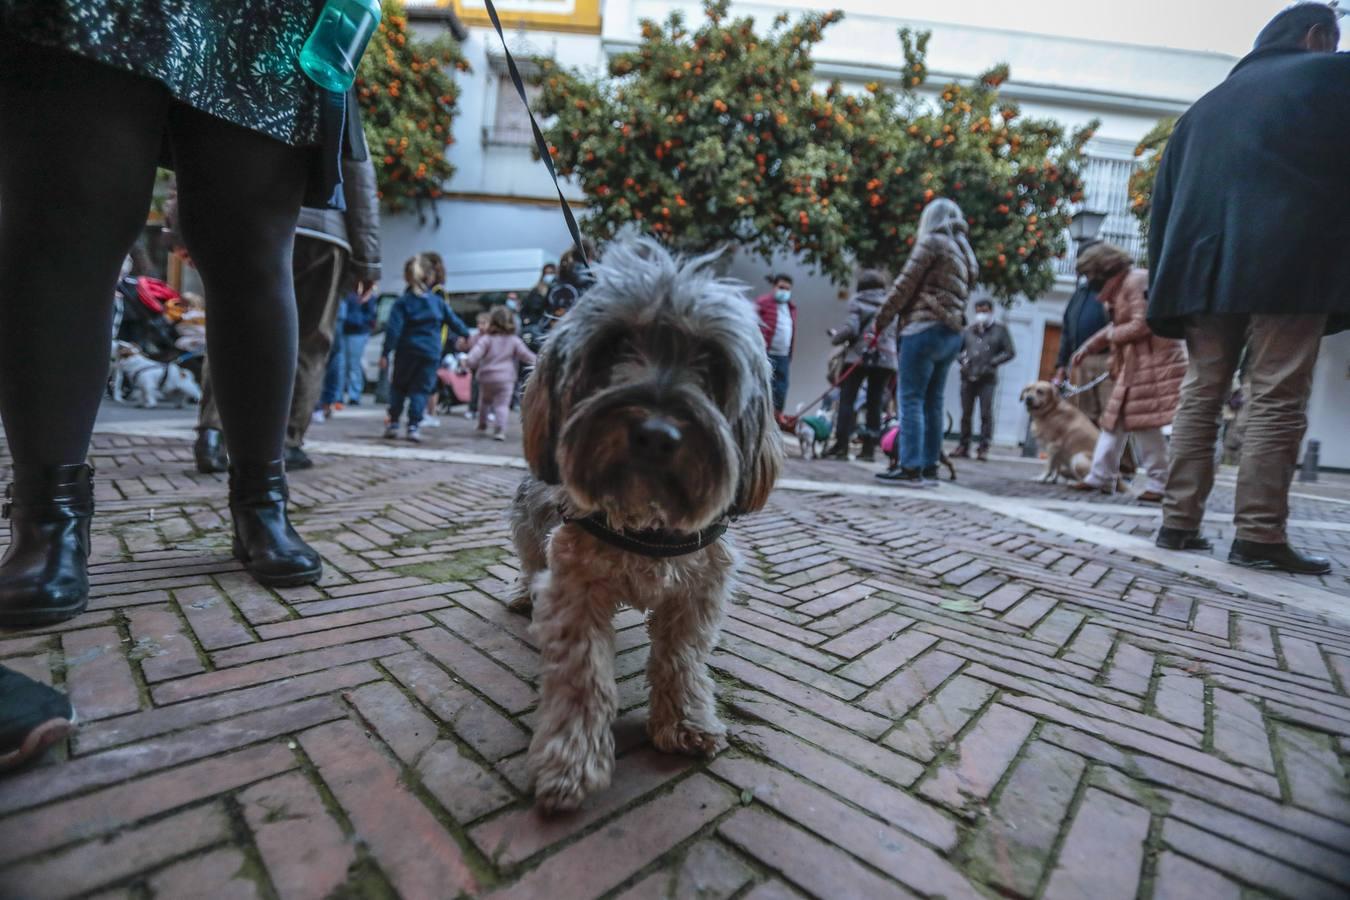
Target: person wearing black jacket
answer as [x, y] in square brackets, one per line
[986, 345]
[1248, 245]
[1084, 317]
[331, 246]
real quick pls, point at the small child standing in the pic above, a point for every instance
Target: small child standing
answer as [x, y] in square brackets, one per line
[413, 336]
[496, 359]
[479, 333]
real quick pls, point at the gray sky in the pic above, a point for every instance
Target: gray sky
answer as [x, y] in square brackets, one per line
[1226, 26]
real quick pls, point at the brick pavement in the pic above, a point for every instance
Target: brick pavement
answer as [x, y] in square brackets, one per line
[924, 699]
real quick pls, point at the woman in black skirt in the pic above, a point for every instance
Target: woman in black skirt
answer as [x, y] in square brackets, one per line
[94, 94]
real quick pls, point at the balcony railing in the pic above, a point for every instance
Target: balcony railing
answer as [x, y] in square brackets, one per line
[1106, 188]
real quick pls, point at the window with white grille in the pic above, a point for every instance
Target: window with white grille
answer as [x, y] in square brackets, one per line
[510, 120]
[1106, 189]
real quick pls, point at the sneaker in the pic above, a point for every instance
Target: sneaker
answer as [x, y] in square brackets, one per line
[337, 407]
[32, 718]
[318, 418]
[961, 452]
[982, 454]
[471, 414]
[498, 436]
[492, 417]
[390, 430]
[930, 476]
[431, 422]
[414, 434]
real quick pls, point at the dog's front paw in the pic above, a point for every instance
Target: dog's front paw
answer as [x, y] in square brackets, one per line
[522, 604]
[690, 739]
[563, 774]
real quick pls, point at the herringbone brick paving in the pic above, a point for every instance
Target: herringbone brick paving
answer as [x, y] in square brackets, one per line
[923, 699]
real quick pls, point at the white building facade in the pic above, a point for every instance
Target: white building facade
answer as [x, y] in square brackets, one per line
[501, 198]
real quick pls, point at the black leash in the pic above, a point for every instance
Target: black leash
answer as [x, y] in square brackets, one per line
[539, 141]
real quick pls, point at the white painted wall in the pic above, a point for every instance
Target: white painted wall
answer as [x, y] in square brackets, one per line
[1329, 406]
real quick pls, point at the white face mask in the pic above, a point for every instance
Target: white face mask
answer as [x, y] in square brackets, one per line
[782, 296]
[983, 318]
[548, 279]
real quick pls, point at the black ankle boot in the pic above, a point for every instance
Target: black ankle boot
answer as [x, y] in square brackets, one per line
[44, 575]
[209, 452]
[868, 453]
[264, 540]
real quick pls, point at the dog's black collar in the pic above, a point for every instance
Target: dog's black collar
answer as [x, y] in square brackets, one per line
[653, 543]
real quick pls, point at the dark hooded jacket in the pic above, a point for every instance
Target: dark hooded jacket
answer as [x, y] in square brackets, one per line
[1251, 210]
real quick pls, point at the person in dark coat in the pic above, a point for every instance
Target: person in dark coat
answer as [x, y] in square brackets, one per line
[1248, 245]
[1084, 317]
[870, 358]
[986, 345]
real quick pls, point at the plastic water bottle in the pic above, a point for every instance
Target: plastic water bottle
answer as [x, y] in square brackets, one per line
[334, 49]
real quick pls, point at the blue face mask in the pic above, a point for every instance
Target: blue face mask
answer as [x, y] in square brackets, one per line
[511, 305]
[548, 278]
[782, 296]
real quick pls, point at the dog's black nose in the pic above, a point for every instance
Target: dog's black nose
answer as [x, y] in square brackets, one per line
[655, 439]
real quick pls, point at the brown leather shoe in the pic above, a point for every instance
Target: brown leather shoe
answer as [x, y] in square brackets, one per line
[1150, 497]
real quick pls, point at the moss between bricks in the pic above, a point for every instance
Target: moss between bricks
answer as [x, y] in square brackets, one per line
[465, 566]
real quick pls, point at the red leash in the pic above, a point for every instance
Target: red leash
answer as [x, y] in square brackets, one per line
[789, 423]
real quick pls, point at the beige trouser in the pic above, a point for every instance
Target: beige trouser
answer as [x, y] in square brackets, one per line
[1282, 351]
[1111, 447]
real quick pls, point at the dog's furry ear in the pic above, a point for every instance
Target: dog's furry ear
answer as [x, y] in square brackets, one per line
[540, 414]
[761, 449]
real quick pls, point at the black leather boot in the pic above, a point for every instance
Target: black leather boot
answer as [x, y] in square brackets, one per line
[44, 575]
[209, 452]
[264, 540]
[1278, 557]
[1182, 539]
[868, 453]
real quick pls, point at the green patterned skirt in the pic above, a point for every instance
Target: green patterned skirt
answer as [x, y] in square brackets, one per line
[234, 59]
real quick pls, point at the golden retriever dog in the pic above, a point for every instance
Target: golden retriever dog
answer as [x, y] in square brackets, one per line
[1062, 430]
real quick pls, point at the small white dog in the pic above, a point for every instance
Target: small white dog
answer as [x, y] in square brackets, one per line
[813, 433]
[151, 381]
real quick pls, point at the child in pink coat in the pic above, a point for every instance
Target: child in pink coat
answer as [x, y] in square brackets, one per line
[496, 359]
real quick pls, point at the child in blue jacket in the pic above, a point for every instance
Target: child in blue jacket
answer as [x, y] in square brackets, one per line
[413, 336]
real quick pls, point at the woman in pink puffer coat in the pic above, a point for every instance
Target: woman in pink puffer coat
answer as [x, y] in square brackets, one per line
[1147, 371]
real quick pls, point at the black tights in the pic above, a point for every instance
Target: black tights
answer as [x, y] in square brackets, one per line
[79, 143]
[877, 380]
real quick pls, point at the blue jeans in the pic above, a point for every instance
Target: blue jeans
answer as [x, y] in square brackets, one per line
[332, 376]
[353, 348]
[413, 380]
[780, 380]
[924, 360]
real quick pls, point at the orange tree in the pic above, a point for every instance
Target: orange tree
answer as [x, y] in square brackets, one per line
[1149, 152]
[408, 103]
[716, 136]
[705, 138]
[1015, 178]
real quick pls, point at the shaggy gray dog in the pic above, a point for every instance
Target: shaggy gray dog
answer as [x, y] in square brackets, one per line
[648, 425]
